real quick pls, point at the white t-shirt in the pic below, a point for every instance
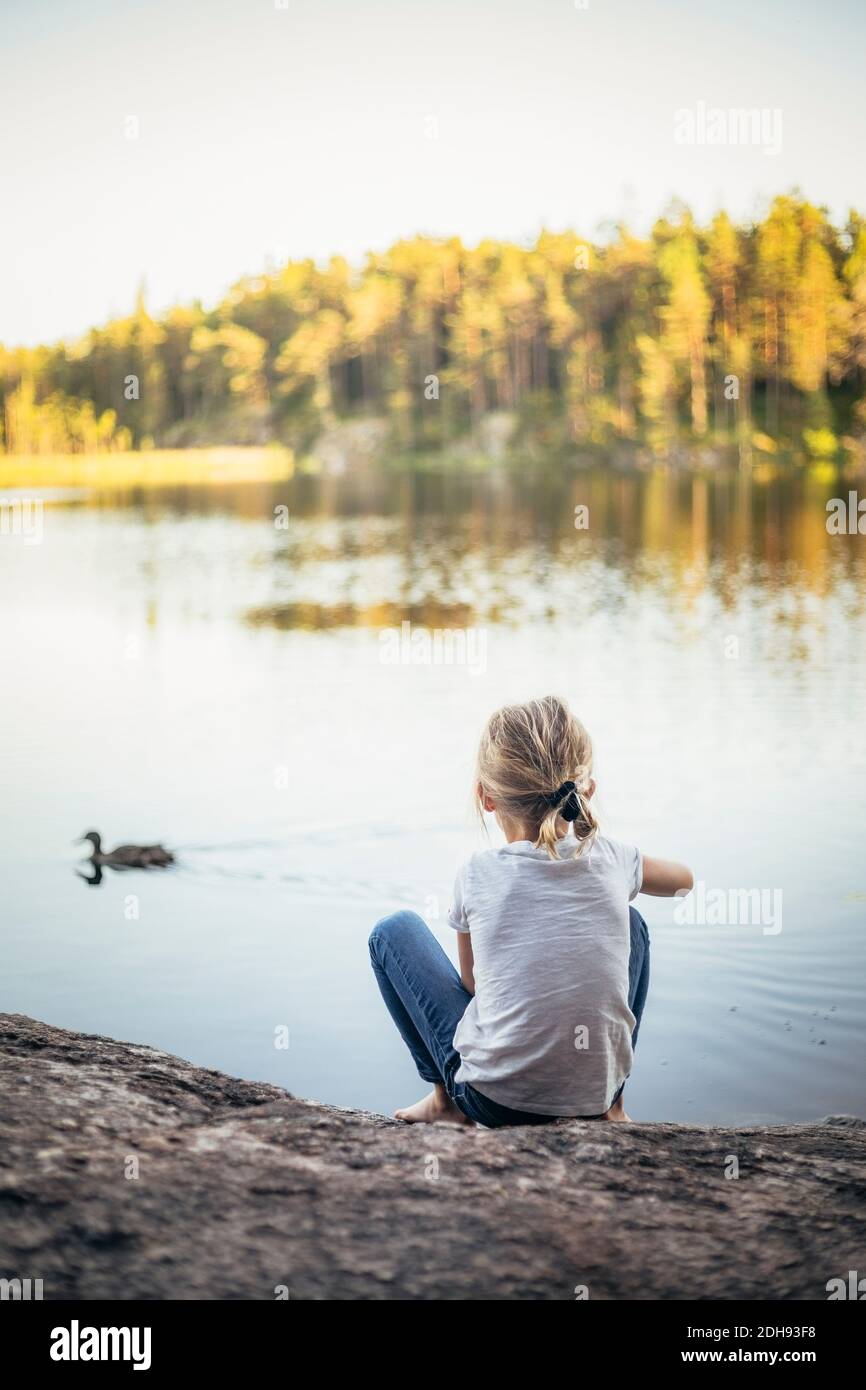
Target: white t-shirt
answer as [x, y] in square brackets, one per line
[549, 1029]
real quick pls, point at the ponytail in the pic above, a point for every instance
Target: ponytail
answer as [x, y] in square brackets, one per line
[535, 761]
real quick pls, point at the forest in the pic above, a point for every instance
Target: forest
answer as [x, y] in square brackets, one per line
[701, 333]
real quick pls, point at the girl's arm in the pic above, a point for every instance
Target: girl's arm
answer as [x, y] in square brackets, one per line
[467, 961]
[664, 879]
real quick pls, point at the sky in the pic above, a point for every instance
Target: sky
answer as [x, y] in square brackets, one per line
[181, 144]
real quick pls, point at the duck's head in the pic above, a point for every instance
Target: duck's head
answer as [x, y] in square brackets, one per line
[95, 839]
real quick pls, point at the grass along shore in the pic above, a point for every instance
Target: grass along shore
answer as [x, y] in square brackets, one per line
[148, 468]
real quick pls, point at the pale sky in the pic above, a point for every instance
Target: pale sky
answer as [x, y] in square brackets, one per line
[341, 125]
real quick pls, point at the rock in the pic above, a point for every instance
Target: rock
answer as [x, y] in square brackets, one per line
[496, 433]
[242, 1188]
[351, 445]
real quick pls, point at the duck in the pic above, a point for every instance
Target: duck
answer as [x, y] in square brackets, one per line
[127, 856]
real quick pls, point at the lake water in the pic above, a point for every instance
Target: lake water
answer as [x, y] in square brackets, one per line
[177, 666]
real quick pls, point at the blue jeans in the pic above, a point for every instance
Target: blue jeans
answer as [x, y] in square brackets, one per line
[426, 999]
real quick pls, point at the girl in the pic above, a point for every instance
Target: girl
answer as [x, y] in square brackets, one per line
[554, 964]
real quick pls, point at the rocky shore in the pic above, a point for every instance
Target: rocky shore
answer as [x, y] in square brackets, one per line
[128, 1173]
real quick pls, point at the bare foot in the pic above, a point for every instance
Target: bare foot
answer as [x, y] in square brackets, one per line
[436, 1108]
[617, 1112]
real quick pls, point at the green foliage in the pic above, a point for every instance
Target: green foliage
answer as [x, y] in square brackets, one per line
[716, 332]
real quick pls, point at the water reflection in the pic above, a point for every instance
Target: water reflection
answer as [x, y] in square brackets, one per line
[448, 549]
[181, 664]
[94, 878]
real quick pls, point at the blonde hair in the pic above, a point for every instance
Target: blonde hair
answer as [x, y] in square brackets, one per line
[526, 753]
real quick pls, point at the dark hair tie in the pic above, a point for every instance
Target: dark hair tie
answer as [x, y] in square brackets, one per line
[567, 798]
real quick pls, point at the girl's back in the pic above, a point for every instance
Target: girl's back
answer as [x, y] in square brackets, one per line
[543, 1016]
[549, 1029]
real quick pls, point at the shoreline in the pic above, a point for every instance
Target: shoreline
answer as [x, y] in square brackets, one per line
[128, 1173]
